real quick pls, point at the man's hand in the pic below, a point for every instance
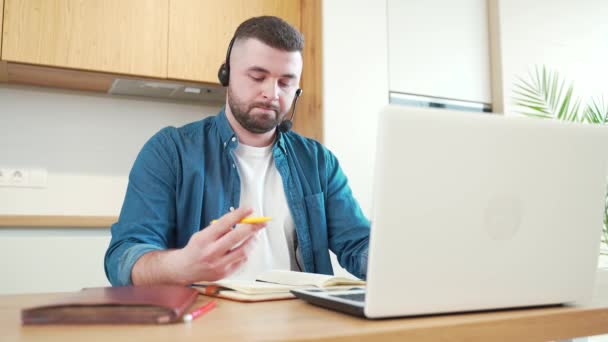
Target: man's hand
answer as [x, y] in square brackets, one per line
[211, 254]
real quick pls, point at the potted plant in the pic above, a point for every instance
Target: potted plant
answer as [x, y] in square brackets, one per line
[545, 94]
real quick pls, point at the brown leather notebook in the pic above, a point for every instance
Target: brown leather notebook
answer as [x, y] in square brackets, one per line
[115, 305]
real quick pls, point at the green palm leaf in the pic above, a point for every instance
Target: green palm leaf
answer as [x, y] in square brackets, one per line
[542, 95]
[596, 111]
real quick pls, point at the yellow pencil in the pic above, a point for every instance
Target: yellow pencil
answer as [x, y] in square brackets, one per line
[252, 220]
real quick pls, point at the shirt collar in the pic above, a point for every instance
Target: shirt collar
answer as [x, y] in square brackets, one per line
[223, 127]
[280, 141]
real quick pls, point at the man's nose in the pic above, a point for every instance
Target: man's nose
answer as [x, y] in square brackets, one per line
[271, 89]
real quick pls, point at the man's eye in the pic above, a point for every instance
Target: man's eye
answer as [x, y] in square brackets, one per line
[257, 79]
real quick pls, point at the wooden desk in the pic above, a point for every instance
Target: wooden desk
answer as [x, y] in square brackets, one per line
[296, 320]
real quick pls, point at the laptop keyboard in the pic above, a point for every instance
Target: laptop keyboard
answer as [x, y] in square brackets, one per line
[357, 297]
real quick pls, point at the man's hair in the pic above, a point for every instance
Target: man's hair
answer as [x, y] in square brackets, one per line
[271, 31]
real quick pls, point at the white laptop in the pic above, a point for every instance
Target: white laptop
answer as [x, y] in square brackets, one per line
[477, 211]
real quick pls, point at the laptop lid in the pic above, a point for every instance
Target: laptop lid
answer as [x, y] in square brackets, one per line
[481, 211]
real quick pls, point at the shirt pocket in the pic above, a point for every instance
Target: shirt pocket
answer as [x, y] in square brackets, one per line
[317, 222]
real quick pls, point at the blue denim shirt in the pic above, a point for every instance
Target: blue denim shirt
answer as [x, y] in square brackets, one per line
[185, 177]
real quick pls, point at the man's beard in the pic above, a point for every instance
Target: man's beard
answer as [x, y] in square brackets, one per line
[258, 124]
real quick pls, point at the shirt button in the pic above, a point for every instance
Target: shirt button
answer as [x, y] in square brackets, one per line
[231, 208]
[233, 166]
[224, 144]
[233, 139]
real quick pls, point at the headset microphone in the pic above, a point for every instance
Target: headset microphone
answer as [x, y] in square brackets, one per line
[286, 124]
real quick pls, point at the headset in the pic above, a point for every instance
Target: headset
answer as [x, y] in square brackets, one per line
[223, 75]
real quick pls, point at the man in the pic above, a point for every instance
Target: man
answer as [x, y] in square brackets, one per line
[185, 178]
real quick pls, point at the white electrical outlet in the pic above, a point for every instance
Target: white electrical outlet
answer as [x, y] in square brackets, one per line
[23, 177]
[18, 177]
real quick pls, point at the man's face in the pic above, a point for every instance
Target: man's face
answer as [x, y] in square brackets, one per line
[263, 82]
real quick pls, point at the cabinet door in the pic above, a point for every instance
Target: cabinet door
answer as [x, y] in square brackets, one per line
[1, 13]
[439, 48]
[118, 36]
[200, 30]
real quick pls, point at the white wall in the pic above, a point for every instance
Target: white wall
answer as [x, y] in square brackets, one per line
[88, 143]
[355, 86]
[567, 36]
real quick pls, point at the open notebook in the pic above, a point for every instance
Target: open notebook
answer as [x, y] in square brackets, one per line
[272, 285]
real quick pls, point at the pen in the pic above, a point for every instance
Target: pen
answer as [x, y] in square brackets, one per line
[199, 312]
[259, 219]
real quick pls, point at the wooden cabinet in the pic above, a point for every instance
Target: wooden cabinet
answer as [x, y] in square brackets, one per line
[117, 36]
[86, 44]
[3, 70]
[200, 30]
[1, 14]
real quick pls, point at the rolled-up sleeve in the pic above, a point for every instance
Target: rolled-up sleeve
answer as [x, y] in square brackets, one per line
[147, 219]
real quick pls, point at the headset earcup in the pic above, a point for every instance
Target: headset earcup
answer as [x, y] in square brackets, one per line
[222, 75]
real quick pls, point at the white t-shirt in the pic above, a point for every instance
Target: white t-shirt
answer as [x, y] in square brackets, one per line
[262, 190]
